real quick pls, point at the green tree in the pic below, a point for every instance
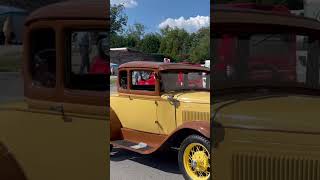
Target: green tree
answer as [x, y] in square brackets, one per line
[200, 49]
[175, 43]
[134, 35]
[137, 30]
[117, 40]
[118, 19]
[150, 43]
[118, 22]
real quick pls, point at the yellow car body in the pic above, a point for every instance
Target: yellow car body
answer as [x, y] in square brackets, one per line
[160, 119]
[56, 132]
[153, 119]
[266, 129]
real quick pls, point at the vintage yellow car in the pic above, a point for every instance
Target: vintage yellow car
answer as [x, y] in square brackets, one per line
[265, 112]
[59, 131]
[164, 105]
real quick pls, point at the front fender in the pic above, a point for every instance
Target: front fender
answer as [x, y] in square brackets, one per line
[202, 127]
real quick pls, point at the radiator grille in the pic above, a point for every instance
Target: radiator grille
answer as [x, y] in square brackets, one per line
[255, 166]
[194, 116]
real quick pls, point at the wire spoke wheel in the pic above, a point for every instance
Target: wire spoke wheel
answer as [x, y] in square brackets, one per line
[196, 161]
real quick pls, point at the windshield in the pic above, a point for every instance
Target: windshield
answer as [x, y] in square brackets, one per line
[184, 80]
[281, 59]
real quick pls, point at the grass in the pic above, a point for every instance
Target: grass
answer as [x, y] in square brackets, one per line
[10, 59]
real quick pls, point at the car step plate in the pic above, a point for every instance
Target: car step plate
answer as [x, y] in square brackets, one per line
[132, 145]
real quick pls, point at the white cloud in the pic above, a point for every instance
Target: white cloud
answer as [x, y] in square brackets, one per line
[125, 3]
[191, 25]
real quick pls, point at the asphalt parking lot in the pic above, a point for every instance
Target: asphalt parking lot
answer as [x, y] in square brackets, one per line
[132, 166]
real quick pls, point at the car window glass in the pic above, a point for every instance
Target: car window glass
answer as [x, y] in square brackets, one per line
[88, 66]
[43, 58]
[143, 80]
[123, 79]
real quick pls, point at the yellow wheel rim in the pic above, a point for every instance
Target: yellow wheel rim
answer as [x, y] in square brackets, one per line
[196, 161]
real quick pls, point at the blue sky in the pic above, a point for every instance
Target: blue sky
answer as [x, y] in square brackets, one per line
[154, 14]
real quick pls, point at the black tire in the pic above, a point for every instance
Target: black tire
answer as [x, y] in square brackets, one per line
[190, 139]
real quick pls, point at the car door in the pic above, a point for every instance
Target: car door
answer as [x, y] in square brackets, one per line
[137, 108]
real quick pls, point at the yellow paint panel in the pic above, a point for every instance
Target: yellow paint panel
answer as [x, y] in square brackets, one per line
[48, 148]
[136, 112]
[166, 116]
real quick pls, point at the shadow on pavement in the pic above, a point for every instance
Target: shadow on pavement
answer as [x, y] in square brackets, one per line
[166, 161]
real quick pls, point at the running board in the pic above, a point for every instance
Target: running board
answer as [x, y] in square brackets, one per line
[141, 147]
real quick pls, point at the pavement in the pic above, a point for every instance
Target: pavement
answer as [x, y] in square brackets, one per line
[124, 165]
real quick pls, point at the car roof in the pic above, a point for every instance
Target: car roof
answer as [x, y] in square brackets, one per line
[161, 66]
[72, 10]
[231, 15]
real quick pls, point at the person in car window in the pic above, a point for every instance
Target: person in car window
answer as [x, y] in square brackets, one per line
[100, 63]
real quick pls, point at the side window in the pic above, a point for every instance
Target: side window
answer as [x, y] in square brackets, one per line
[88, 65]
[43, 57]
[123, 79]
[143, 80]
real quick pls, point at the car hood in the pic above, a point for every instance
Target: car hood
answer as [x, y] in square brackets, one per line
[294, 113]
[202, 97]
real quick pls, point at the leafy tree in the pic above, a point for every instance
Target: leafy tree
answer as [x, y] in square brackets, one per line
[134, 35]
[150, 43]
[117, 41]
[118, 19]
[175, 43]
[200, 49]
[132, 41]
[137, 30]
